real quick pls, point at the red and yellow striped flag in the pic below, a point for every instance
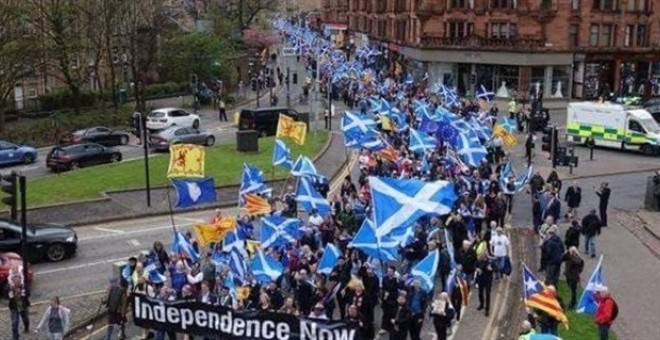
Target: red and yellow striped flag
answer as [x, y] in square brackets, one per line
[389, 154]
[256, 205]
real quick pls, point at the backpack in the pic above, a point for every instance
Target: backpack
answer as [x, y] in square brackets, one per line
[114, 301]
[615, 310]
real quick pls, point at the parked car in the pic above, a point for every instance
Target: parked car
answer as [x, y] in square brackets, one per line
[80, 155]
[164, 118]
[7, 262]
[264, 120]
[11, 153]
[653, 107]
[49, 242]
[162, 140]
[100, 135]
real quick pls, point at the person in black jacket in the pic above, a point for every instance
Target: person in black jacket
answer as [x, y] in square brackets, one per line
[529, 147]
[485, 282]
[467, 260]
[591, 226]
[391, 286]
[401, 319]
[552, 253]
[572, 236]
[573, 198]
[604, 199]
[572, 270]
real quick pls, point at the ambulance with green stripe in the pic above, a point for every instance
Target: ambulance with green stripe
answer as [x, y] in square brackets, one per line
[613, 125]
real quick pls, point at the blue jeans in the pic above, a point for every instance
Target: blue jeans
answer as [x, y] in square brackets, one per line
[14, 316]
[109, 331]
[499, 264]
[590, 245]
[603, 332]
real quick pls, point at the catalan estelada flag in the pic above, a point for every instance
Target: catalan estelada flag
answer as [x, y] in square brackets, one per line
[256, 205]
[538, 296]
[287, 127]
[389, 154]
[186, 160]
[209, 233]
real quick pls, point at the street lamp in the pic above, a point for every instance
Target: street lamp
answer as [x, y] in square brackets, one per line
[145, 143]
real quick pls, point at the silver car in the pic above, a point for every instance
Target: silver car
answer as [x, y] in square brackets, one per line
[162, 140]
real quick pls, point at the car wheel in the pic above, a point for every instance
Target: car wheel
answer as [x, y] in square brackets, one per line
[648, 150]
[210, 140]
[115, 158]
[28, 158]
[196, 124]
[74, 165]
[123, 140]
[56, 252]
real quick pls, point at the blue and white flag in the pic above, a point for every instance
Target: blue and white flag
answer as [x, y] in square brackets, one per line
[383, 248]
[471, 152]
[155, 276]
[399, 204]
[233, 241]
[426, 269]
[484, 94]
[420, 141]
[265, 268]
[508, 124]
[238, 265]
[310, 199]
[190, 192]
[304, 167]
[282, 155]
[354, 125]
[182, 246]
[277, 231]
[329, 259]
[425, 167]
[587, 303]
[252, 181]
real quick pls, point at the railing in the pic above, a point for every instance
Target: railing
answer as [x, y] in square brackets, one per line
[478, 42]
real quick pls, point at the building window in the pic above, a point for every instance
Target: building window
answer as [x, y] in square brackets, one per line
[629, 35]
[459, 3]
[642, 36]
[502, 4]
[576, 5]
[503, 30]
[637, 6]
[400, 6]
[560, 79]
[593, 35]
[573, 35]
[604, 5]
[458, 29]
[606, 35]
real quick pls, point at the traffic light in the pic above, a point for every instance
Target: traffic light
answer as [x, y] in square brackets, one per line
[295, 78]
[547, 139]
[9, 185]
[253, 83]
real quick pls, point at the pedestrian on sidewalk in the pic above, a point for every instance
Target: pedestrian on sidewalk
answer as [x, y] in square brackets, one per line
[573, 199]
[18, 307]
[115, 301]
[606, 313]
[591, 227]
[552, 253]
[513, 108]
[222, 111]
[572, 270]
[57, 317]
[484, 281]
[529, 148]
[572, 235]
[604, 199]
[442, 313]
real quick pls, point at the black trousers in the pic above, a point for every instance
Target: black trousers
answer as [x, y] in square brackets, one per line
[415, 328]
[222, 114]
[484, 295]
[573, 287]
[440, 326]
[603, 215]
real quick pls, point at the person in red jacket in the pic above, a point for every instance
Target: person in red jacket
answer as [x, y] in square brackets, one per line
[606, 313]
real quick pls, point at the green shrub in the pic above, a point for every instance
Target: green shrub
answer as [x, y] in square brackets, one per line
[65, 99]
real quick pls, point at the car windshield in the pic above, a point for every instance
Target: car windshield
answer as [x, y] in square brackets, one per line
[650, 125]
[156, 114]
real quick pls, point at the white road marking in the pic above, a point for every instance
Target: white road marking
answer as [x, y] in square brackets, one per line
[64, 298]
[134, 242]
[190, 219]
[79, 266]
[133, 232]
[114, 231]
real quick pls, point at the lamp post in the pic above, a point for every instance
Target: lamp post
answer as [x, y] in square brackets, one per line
[145, 144]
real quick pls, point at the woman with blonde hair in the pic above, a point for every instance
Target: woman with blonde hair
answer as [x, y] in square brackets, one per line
[442, 313]
[572, 270]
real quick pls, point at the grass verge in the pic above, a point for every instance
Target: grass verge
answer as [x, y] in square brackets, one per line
[223, 163]
[582, 326]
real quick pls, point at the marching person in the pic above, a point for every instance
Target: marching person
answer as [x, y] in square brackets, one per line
[484, 281]
[442, 313]
[57, 317]
[18, 307]
[115, 301]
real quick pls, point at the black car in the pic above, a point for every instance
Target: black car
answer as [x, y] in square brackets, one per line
[80, 155]
[100, 135]
[264, 120]
[653, 107]
[44, 242]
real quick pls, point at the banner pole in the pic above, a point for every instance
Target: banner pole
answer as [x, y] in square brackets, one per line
[169, 205]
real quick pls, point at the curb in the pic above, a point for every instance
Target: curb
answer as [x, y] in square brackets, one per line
[201, 208]
[625, 172]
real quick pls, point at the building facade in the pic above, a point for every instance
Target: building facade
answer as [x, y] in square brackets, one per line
[564, 48]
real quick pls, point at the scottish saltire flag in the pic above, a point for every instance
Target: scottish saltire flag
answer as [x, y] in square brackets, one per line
[484, 94]
[399, 203]
[537, 296]
[304, 167]
[265, 268]
[310, 199]
[425, 167]
[518, 182]
[155, 276]
[182, 246]
[508, 124]
[233, 241]
[190, 192]
[355, 125]
[587, 303]
[471, 152]
[383, 248]
[252, 181]
[238, 264]
[277, 231]
[507, 170]
[282, 155]
[426, 269]
[449, 96]
[420, 141]
[329, 259]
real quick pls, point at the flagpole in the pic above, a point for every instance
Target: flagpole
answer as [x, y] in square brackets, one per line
[169, 204]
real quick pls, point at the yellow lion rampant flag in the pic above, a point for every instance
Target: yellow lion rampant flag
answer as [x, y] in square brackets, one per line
[508, 138]
[287, 127]
[209, 233]
[256, 205]
[186, 160]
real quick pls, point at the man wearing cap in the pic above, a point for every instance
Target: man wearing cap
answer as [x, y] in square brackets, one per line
[552, 253]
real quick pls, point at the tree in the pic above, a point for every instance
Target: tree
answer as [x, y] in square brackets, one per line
[259, 38]
[245, 12]
[14, 52]
[205, 54]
